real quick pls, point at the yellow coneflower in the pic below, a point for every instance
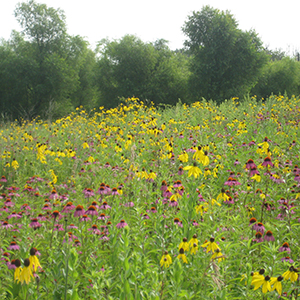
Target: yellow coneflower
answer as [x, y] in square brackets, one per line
[291, 274]
[18, 270]
[256, 177]
[276, 282]
[194, 248]
[217, 255]
[262, 281]
[182, 256]
[183, 157]
[193, 240]
[166, 260]
[199, 154]
[26, 273]
[193, 170]
[184, 244]
[34, 261]
[223, 195]
[15, 164]
[210, 245]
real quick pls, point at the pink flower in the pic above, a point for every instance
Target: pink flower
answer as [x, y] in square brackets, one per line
[285, 247]
[122, 224]
[267, 162]
[35, 224]
[269, 236]
[13, 246]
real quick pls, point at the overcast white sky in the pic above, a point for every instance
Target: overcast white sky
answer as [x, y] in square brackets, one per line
[276, 22]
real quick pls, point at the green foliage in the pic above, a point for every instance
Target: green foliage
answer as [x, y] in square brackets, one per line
[279, 76]
[129, 67]
[226, 61]
[43, 67]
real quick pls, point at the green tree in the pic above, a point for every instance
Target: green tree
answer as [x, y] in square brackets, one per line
[43, 67]
[129, 67]
[279, 77]
[225, 60]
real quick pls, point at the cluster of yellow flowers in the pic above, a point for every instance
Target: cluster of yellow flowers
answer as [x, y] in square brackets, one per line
[31, 265]
[273, 283]
[192, 247]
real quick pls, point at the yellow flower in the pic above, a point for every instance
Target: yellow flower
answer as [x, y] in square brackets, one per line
[183, 157]
[17, 273]
[18, 270]
[193, 170]
[199, 154]
[256, 177]
[217, 255]
[34, 261]
[182, 256]
[290, 274]
[26, 273]
[151, 175]
[277, 284]
[194, 248]
[211, 245]
[85, 145]
[184, 245]
[166, 260]
[15, 164]
[223, 195]
[205, 160]
[193, 240]
[201, 209]
[262, 281]
[213, 202]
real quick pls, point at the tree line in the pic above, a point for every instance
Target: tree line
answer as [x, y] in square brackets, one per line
[46, 72]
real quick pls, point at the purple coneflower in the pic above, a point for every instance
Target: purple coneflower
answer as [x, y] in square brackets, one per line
[35, 224]
[153, 210]
[287, 259]
[232, 182]
[178, 222]
[3, 179]
[8, 203]
[102, 216]
[173, 203]
[180, 171]
[13, 246]
[6, 225]
[259, 227]
[91, 211]
[105, 205]
[56, 215]
[167, 193]
[285, 247]
[94, 229]
[164, 186]
[250, 164]
[85, 218]
[267, 162]
[258, 237]
[79, 211]
[69, 207]
[58, 227]
[269, 236]
[145, 216]
[122, 224]
[88, 193]
[72, 226]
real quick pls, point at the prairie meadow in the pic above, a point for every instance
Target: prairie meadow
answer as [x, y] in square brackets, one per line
[141, 202]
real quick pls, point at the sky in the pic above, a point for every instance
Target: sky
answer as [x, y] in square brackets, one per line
[275, 22]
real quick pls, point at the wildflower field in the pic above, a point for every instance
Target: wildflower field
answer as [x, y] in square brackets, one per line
[138, 202]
